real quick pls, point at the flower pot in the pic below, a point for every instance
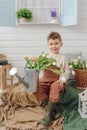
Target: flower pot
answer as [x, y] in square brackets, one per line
[54, 20]
[32, 78]
[23, 20]
[81, 78]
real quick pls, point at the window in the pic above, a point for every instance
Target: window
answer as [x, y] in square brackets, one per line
[7, 13]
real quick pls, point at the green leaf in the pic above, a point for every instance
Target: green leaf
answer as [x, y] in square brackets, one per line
[55, 71]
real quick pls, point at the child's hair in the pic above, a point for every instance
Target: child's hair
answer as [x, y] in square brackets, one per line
[54, 35]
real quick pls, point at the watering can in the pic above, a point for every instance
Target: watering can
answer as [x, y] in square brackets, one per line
[30, 79]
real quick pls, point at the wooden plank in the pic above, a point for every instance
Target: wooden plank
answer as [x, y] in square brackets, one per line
[2, 56]
[3, 75]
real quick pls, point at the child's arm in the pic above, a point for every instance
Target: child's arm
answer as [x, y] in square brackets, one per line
[65, 71]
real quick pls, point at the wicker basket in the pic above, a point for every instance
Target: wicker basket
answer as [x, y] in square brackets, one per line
[81, 78]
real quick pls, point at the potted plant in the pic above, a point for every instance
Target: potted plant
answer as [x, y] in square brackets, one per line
[24, 14]
[79, 69]
[34, 65]
[54, 16]
[32, 69]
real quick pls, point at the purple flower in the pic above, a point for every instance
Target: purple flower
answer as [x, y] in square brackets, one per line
[53, 13]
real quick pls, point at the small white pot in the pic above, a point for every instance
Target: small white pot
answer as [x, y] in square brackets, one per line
[23, 20]
[54, 20]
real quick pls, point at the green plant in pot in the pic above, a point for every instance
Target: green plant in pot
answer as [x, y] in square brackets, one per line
[24, 13]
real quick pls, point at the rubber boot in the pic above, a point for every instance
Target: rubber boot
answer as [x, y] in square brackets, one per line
[48, 116]
[57, 112]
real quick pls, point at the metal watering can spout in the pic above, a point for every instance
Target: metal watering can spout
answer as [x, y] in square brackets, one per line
[13, 72]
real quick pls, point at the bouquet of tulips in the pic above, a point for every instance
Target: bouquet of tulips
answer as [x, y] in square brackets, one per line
[43, 62]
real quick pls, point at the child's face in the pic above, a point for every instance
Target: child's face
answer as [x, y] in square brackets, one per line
[54, 45]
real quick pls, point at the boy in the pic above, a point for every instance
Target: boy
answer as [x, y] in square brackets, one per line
[50, 85]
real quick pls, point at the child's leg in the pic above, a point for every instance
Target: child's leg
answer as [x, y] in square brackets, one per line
[48, 116]
[43, 89]
[55, 90]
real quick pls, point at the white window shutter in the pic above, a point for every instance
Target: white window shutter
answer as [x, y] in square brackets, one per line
[68, 12]
[7, 13]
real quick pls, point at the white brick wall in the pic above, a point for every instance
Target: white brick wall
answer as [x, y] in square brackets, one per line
[24, 40]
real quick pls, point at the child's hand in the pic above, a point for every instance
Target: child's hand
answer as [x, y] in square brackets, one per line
[60, 84]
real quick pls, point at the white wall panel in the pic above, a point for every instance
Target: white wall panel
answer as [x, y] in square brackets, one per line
[24, 40]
